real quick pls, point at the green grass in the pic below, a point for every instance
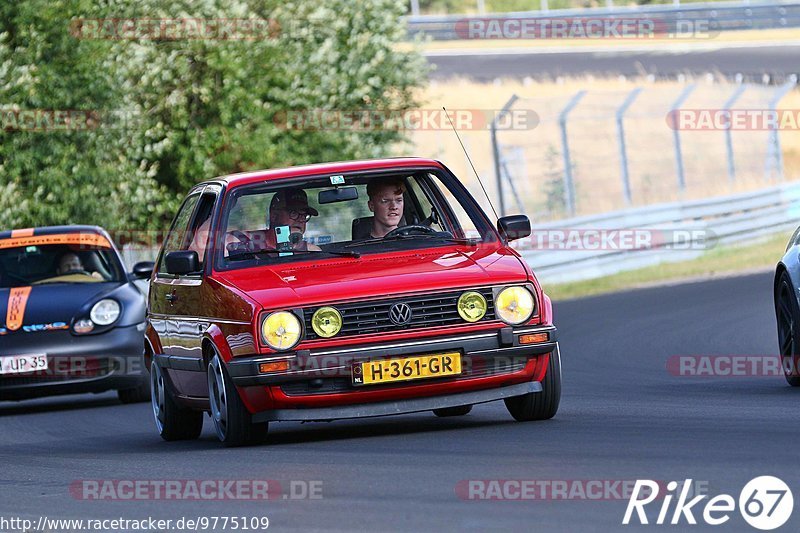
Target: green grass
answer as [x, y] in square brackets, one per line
[725, 260]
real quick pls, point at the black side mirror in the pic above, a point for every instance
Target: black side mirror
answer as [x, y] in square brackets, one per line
[514, 227]
[182, 262]
[339, 194]
[143, 269]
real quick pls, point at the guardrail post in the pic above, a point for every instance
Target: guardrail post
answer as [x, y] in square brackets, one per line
[414, 8]
[569, 185]
[728, 138]
[496, 152]
[676, 137]
[774, 161]
[623, 152]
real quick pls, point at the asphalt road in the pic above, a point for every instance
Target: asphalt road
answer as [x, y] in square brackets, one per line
[752, 62]
[622, 417]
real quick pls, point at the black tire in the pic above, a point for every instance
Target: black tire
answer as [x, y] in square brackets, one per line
[135, 395]
[787, 313]
[173, 422]
[540, 405]
[461, 410]
[232, 422]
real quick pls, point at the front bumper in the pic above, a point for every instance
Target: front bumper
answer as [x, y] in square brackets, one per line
[78, 364]
[414, 405]
[323, 378]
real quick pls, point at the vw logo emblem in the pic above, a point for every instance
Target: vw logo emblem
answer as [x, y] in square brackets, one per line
[400, 314]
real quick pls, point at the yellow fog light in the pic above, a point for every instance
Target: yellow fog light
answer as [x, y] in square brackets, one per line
[514, 305]
[281, 330]
[472, 306]
[326, 322]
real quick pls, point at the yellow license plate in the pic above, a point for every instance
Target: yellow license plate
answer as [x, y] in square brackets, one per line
[407, 368]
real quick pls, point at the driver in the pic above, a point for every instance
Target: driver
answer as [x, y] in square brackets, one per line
[386, 204]
[289, 207]
[71, 263]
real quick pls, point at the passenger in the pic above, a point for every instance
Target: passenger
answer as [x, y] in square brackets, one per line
[386, 204]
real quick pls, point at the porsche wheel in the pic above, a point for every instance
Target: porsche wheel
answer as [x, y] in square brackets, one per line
[232, 422]
[788, 316]
[172, 421]
[540, 405]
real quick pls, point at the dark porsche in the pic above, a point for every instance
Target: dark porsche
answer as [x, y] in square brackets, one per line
[71, 318]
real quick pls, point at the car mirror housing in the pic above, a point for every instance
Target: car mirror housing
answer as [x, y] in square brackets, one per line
[182, 262]
[514, 227]
[143, 269]
[339, 194]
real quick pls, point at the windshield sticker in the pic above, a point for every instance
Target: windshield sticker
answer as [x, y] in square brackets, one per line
[94, 240]
[337, 180]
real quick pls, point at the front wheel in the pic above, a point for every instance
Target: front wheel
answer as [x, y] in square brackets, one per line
[172, 421]
[540, 405]
[232, 422]
[788, 314]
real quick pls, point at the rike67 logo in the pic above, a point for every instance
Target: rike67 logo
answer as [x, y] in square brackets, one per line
[765, 503]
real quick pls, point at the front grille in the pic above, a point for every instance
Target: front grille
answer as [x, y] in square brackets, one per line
[479, 368]
[431, 310]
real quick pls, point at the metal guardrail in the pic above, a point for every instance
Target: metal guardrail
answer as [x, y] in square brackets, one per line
[681, 231]
[721, 16]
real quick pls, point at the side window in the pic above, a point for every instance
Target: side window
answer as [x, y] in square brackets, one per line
[177, 238]
[423, 205]
[201, 227]
[463, 222]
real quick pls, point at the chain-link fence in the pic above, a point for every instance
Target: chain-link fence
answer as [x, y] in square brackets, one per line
[599, 150]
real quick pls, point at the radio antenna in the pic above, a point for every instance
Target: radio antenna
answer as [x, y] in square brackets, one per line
[470, 162]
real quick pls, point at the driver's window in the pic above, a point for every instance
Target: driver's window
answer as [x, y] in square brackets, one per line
[427, 214]
[176, 240]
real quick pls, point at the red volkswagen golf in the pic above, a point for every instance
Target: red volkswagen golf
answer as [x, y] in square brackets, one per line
[343, 290]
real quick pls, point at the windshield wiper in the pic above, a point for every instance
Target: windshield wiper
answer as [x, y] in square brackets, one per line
[470, 242]
[255, 254]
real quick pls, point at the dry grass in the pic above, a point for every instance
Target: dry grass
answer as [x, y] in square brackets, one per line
[535, 158]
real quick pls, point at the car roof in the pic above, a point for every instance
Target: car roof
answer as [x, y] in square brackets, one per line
[342, 167]
[51, 230]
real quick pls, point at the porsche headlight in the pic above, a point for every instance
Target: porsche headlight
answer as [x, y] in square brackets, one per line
[281, 330]
[326, 322]
[105, 312]
[514, 305]
[472, 306]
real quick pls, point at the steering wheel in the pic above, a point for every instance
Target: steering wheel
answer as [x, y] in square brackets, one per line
[408, 230]
[76, 271]
[242, 236]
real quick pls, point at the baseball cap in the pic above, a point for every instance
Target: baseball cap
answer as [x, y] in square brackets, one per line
[293, 199]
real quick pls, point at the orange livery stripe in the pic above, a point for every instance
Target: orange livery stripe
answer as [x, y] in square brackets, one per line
[17, 300]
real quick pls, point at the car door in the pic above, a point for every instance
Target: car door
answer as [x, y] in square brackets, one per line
[162, 290]
[188, 313]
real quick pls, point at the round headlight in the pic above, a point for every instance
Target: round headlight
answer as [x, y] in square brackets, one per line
[514, 305]
[326, 322]
[281, 330]
[105, 312]
[472, 306]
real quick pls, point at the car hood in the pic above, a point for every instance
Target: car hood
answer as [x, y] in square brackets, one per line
[319, 281]
[48, 305]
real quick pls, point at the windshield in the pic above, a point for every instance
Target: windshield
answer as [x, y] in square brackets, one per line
[346, 215]
[41, 264]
